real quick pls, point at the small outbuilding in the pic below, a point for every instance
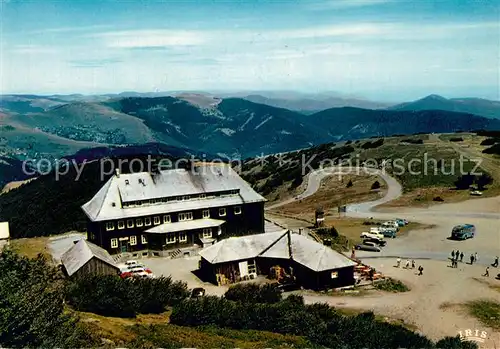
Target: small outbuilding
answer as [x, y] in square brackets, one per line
[4, 234]
[85, 258]
[311, 264]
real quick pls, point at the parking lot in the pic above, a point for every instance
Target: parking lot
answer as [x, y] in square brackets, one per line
[181, 269]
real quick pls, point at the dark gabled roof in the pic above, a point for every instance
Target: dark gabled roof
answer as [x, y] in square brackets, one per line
[82, 252]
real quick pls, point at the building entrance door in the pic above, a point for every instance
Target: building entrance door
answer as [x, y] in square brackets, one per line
[123, 246]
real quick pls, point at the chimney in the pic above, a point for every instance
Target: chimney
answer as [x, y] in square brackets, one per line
[117, 172]
[289, 243]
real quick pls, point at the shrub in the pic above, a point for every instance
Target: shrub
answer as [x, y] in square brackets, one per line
[32, 310]
[413, 141]
[375, 185]
[297, 181]
[495, 149]
[465, 181]
[253, 293]
[485, 133]
[483, 180]
[113, 296]
[490, 141]
[319, 323]
[438, 198]
[391, 285]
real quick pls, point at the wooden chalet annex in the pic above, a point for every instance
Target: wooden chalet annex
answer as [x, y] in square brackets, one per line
[313, 265]
[173, 211]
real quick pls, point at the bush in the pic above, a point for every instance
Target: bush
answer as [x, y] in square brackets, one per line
[319, 323]
[375, 185]
[112, 296]
[438, 198]
[372, 145]
[490, 141]
[32, 310]
[391, 285]
[253, 293]
[297, 181]
[495, 149]
[465, 181]
[485, 133]
[413, 141]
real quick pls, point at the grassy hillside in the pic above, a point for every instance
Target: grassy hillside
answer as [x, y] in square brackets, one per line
[353, 123]
[426, 166]
[234, 126]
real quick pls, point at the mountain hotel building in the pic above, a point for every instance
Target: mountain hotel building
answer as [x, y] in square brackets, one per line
[173, 212]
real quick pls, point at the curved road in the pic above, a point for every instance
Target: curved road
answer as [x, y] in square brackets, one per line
[314, 182]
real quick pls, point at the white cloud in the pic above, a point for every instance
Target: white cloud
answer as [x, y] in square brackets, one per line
[33, 49]
[151, 38]
[158, 38]
[343, 4]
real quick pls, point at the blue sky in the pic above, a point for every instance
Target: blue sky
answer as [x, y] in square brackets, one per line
[380, 49]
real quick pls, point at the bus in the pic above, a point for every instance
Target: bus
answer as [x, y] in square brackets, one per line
[462, 232]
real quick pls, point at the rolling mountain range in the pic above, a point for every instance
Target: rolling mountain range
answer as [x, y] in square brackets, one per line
[311, 105]
[229, 127]
[476, 106]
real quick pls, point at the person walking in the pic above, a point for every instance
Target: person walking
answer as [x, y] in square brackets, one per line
[452, 254]
[398, 262]
[407, 264]
[461, 256]
[487, 272]
[471, 259]
[420, 270]
[495, 263]
[475, 257]
[413, 263]
[457, 254]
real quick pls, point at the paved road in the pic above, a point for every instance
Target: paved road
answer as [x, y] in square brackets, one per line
[314, 182]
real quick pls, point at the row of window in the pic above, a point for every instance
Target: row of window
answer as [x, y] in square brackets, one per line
[132, 241]
[171, 238]
[179, 198]
[184, 216]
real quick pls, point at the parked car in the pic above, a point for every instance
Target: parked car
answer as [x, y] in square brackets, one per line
[389, 233]
[463, 232]
[140, 269]
[141, 275]
[375, 241]
[476, 193]
[401, 222]
[131, 263]
[197, 292]
[366, 234]
[368, 246]
[390, 224]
